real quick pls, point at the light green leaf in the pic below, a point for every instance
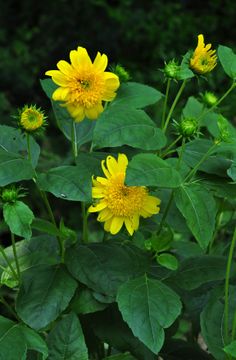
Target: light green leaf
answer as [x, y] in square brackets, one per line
[228, 60]
[232, 171]
[148, 306]
[127, 126]
[136, 95]
[18, 217]
[34, 341]
[193, 108]
[198, 207]
[12, 341]
[14, 168]
[66, 340]
[168, 260]
[230, 349]
[44, 293]
[150, 170]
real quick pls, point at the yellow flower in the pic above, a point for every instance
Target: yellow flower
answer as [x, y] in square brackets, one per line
[203, 59]
[31, 118]
[84, 85]
[117, 203]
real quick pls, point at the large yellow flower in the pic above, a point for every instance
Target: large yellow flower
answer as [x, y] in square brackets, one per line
[117, 203]
[84, 85]
[203, 59]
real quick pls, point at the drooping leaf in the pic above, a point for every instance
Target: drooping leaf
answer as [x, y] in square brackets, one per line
[18, 217]
[44, 293]
[66, 340]
[103, 267]
[199, 209]
[148, 306]
[228, 60]
[150, 170]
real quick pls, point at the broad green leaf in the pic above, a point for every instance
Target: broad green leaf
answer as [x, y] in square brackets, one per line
[168, 260]
[232, 171]
[85, 303]
[135, 95]
[44, 293]
[66, 340]
[198, 207]
[231, 349]
[14, 141]
[119, 126]
[14, 168]
[184, 72]
[148, 306]
[193, 108]
[103, 267]
[150, 170]
[84, 130]
[34, 341]
[45, 226]
[126, 356]
[228, 60]
[12, 341]
[200, 269]
[18, 217]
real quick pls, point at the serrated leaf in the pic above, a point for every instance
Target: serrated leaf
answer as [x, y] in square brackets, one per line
[148, 306]
[228, 60]
[66, 340]
[44, 293]
[198, 207]
[150, 170]
[18, 217]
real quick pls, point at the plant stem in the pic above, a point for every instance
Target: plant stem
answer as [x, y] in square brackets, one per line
[8, 263]
[227, 278]
[174, 105]
[28, 147]
[171, 145]
[165, 103]
[15, 256]
[234, 327]
[74, 139]
[195, 168]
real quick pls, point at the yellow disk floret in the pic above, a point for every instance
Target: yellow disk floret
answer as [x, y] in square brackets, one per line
[31, 118]
[84, 85]
[203, 59]
[118, 203]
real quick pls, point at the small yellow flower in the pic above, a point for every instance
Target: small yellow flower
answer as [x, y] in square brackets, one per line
[84, 85]
[203, 59]
[31, 118]
[117, 203]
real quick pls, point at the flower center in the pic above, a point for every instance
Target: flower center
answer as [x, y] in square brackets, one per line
[124, 200]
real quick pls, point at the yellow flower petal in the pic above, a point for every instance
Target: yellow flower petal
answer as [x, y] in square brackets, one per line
[129, 226]
[97, 207]
[84, 59]
[60, 94]
[104, 215]
[100, 62]
[111, 165]
[116, 224]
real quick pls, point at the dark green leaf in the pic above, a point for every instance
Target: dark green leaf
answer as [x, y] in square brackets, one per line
[148, 306]
[199, 209]
[66, 340]
[193, 108]
[85, 303]
[45, 292]
[228, 60]
[45, 226]
[34, 341]
[150, 170]
[126, 356]
[12, 341]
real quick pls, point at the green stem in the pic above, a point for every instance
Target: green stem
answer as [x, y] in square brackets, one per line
[174, 105]
[234, 327]
[74, 139]
[8, 263]
[165, 103]
[85, 223]
[15, 256]
[219, 101]
[218, 223]
[28, 147]
[171, 145]
[195, 168]
[227, 278]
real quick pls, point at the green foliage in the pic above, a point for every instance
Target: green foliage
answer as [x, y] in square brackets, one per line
[228, 60]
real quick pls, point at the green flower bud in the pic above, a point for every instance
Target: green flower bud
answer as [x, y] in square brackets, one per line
[224, 131]
[187, 127]
[121, 72]
[148, 244]
[10, 195]
[31, 119]
[171, 70]
[209, 99]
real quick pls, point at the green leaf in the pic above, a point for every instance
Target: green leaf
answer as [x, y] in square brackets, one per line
[148, 306]
[85, 303]
[200, 269]
[232, 171]
[66, 340]
[136, 95]
[34, 341]
[198, 207]
[168, 260]
[150, 170]
[45, 292]
[230, 349]
[193, 108]
[119, 126]
[18, 217]
[126, 356]
[228, 60]
[14, 168]
[84, 130]
[104, 267]
[13, 141]
[45, 226]
[12, 341]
